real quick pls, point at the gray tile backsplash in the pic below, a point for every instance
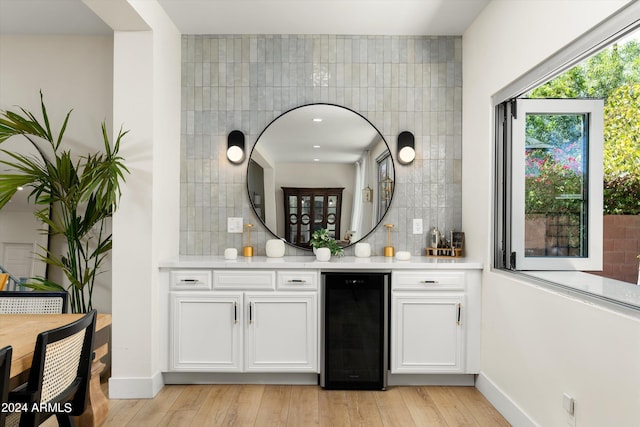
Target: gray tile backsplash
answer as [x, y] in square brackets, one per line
[245, 81]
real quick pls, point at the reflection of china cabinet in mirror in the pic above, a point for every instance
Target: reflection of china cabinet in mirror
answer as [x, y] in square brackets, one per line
[321, 146]
[310, 209]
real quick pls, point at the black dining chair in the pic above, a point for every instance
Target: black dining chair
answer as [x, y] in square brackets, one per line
[58, 381]
[5, 370]
[33, 302]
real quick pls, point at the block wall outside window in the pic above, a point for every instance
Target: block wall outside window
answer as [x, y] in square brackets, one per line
[621, 247]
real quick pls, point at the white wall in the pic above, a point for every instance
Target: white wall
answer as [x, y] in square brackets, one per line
[537, 344]
[73, 73]
[146, 227]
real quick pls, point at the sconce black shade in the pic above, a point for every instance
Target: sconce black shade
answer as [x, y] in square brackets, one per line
[406, 148]
[235, 146]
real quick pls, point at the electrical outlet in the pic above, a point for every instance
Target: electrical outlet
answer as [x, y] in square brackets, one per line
[417, 226]
[234, 225]
[569, 405]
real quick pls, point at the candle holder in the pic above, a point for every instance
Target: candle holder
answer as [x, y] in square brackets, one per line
[247, 251]
[389, 250]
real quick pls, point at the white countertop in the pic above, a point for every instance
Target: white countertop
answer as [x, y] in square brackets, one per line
[309, 262]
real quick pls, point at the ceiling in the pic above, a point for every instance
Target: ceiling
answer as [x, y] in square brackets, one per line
[341, 17]
[321, 133]
[356, 17]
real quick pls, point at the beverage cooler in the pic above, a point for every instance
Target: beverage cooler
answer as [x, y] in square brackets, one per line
[355, 337]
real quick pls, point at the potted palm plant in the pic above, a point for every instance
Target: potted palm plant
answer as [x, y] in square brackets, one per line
[76, 197]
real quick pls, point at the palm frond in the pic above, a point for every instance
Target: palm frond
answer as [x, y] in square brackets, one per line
[77, 196]
[42, 284]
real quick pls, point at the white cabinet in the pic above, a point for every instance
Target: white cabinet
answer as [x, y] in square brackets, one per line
[229, 323]
[206, 333]
[428, 316]
[281, 334]
[427, 333]
[236, 331]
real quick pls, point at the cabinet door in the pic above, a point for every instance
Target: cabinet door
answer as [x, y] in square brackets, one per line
[281, 332]
[427, 333]
[206, 332]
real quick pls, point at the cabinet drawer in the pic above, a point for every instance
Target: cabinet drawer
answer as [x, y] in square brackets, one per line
[426, 280]
[190, 279]
[244, 279]
[297, 280]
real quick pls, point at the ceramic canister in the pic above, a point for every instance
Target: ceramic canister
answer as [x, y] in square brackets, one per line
[363, 250]
[275, 248]
[230, 253]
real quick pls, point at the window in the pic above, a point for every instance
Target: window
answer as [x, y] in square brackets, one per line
[550, 166]
[556, 184]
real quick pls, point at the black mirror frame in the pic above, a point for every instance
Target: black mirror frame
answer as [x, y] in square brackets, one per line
[248, 190]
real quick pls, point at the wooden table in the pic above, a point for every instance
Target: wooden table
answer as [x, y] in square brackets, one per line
[21, 331]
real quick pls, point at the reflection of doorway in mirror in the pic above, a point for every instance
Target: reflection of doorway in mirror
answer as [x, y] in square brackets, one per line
[385, 184]
[255, 184]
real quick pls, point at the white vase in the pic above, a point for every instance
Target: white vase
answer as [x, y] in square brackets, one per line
[323, 254]
[363, 250]
[275, 248]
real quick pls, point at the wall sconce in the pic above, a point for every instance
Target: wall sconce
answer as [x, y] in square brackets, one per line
[367, 194]
[386, 187]
[235, 146]
[406, 148]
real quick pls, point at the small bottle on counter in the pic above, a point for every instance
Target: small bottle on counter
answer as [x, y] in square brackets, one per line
[434, 237]
[453, 250]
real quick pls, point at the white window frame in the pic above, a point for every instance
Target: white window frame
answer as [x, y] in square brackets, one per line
[614, 294]
[594, 109]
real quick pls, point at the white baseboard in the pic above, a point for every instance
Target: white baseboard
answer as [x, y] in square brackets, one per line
[503, 403]
[135, 388]
[431, 379]
[309, 379]
[239, 378]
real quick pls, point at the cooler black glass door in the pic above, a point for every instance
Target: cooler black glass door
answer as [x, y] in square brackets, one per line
[355, 341]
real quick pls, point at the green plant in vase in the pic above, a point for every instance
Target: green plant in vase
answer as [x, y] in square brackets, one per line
[76, 195]
[321, 239]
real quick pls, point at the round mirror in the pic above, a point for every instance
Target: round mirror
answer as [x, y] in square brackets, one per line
[320, 166]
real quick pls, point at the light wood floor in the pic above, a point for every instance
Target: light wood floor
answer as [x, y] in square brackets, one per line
[299, 406]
